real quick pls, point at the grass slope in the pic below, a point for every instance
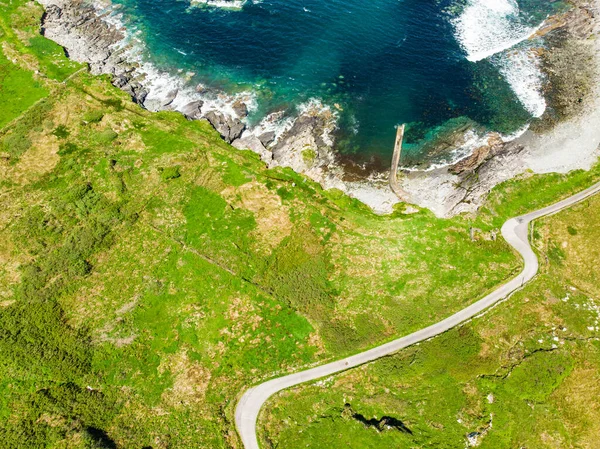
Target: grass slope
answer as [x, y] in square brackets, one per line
[524, 375]
[149, 272]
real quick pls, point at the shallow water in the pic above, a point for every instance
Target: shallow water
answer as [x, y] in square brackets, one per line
[380, 62]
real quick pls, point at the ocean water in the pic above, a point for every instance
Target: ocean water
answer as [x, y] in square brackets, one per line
[436, 65]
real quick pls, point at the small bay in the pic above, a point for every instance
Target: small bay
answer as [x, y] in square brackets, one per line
[436, 65]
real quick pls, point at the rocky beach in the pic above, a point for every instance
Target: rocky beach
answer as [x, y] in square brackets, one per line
[561, 140]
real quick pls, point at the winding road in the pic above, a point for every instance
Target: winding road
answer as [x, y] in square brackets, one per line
[515, 231]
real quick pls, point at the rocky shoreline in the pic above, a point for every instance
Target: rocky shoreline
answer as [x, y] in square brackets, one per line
[553, 144]
[91, 34]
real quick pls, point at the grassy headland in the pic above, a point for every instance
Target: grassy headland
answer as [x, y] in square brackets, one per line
[524, 375]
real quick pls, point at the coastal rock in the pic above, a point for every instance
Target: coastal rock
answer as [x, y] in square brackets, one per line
[170, 97]
[71, 23]
[138, 93]
[306, 146]
[578, 22]
[254, 144]
[240, 108]
[304, 143]
[267, 138]
[479, 155]
[193, 110]
[229, 128]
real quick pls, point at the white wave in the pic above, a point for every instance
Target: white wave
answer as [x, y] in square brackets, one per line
[521, 69]
[275, 122]
[488, 27]
[225, 4]
[518, 133]
[314, 106]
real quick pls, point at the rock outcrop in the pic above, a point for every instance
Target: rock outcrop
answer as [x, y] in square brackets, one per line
[254, 144]
[193, 110]
[230, 128]
[469, 164]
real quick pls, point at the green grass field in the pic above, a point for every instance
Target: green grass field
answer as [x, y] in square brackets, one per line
[149, 272]
[524, 375]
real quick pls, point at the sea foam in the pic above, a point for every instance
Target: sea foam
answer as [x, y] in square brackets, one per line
[225, 4]
[495, 30]
[489, 27]
[521, 69]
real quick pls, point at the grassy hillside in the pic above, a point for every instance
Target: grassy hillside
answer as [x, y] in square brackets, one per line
[525, 375]
[149, 272]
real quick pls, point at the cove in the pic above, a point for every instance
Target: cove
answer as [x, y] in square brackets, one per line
[431, 64]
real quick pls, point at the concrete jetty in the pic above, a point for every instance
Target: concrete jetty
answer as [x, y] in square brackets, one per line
[400, 193]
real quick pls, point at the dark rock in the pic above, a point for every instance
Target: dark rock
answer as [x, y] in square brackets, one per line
[170, 97]
[267, 138]
[120, 81]
[229, 128]
[193, 110]
[381, 425]
[53, 12]
[139, 95]
[240, 108]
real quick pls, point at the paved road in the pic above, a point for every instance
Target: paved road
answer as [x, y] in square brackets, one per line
[515, 231]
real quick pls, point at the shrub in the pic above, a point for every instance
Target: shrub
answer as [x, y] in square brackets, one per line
[115, 103]
[93, 116]
[107, 136]
[15, 144]
[170, 173]
[309, 155]
[61, 132]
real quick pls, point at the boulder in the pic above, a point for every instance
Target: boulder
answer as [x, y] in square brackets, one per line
[240, 108]
[230, 128]
[193, 110]
[267, 138]
[170, 97]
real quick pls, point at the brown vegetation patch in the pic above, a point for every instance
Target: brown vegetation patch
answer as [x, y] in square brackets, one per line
[9, 269]
[38, 160]
[243, 314]
[190, 380]
[24, 61]
[69, 110]
[315, 340]
[272, 217]
[582, 414]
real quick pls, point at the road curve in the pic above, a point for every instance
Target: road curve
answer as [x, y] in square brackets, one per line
[515, 231]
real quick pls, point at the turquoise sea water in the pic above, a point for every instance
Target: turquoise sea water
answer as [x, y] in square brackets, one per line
[432, 64]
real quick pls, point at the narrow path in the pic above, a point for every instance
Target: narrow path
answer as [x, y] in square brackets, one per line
[515, 231]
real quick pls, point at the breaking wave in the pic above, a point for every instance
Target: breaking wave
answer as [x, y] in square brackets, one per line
[496, 30]
[489, 27]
